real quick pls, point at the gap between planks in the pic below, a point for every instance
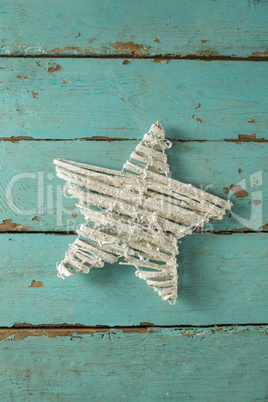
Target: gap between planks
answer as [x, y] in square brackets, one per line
[242, 139]
[197, 232]
[143, 327]
[158, 58]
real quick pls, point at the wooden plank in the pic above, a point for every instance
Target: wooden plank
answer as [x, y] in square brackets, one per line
[78, 98]
[222, 280]
[32, 198]
[162, 364]
[143, 27]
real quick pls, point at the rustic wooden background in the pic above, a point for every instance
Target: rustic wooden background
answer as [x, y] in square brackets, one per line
[84, 80]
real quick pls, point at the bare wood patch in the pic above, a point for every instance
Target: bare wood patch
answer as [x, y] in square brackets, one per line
[36, 284]
[9, 226]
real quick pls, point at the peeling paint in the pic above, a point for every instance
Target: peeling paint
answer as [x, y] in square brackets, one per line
[197, 118]
[245, 137]
[260, 54]
[257, 202]
[161, 60]
[264, 227]
[67, 49]
[131, 47]
[55, 67]
[16, 139]
[238, 191]
[208, 53]
[21, 334]
[242, 230]
[9, 226]
[36, 284]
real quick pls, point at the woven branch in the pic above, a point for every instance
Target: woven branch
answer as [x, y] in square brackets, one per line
[138, 214]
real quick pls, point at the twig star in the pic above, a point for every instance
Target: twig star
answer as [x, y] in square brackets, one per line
[138, 213]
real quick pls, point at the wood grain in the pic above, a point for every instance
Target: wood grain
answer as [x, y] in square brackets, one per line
[82, 98]
[222, 280]
[31, 196]
[143, 27]
[161, 364]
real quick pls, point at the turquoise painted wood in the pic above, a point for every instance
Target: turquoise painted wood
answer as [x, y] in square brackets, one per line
[30, 188]
[198, 27]
[223, 279]
[77, 98]
[53, 106]
[221, 364]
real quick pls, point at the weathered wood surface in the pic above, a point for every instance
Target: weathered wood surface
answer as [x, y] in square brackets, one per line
[194, 28]
[35, 201]
[221, 364]
[78, 98]
[223, 279]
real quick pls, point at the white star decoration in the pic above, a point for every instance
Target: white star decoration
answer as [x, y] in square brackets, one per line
[138, 213]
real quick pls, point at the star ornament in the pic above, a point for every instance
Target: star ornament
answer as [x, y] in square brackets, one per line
[137, 214]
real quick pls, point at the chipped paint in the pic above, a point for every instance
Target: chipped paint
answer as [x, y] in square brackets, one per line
[238, 191]
[125, 62]
[9, 226]
[35, 218]
[36, 284]
[68, 49]
[157, 39]
[207, 53]
[53, 68]
[257, 202]
[16, 139]
[264, 227]
[22, 77]
[35, 95]
[131, 47]
[252, 121]
[245, 137]
[161, 60]
[21, 334]
[260, 54]
[198, 119]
